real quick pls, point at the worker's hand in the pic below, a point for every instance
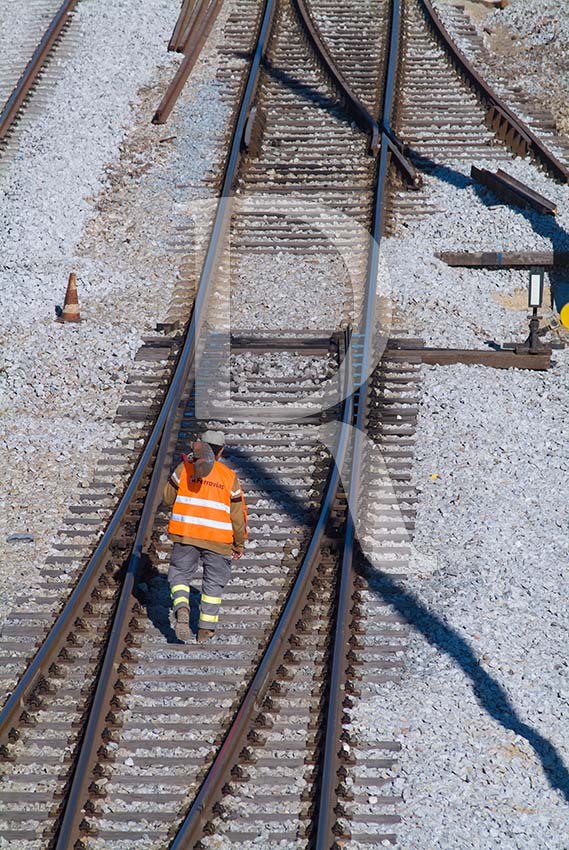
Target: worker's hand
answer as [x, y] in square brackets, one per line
[236, 555]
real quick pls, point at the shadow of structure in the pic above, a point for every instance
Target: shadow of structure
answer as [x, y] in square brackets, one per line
[491, 696]
[545, 226]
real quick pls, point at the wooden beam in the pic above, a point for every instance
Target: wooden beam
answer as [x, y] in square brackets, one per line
[504, 259]
[311, 344]
[502, 359]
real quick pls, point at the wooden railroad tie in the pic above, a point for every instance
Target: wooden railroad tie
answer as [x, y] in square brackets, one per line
[496, 359]
[504, 259]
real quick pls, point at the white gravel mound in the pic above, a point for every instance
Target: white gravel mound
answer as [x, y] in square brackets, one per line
[467, 307]
[533, 36]
[90, 190]
[483, 710]
[537, 23]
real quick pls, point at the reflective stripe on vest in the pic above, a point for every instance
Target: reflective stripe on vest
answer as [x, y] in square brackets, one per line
[203, 505]
[200, 520]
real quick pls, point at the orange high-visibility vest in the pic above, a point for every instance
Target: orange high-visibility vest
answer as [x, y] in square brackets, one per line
[202, 508]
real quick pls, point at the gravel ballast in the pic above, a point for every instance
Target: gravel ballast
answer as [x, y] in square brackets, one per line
[486, 694]
[483, 707]
[486, 685]
[468, 307]
[92, 188]
[534, 34]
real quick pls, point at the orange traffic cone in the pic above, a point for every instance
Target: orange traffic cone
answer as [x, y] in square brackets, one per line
[70, 312]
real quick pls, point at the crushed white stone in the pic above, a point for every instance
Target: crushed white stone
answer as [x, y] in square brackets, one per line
[90, 189]
[483, 708]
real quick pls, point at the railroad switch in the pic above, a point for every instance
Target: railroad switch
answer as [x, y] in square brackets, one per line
[532, 344]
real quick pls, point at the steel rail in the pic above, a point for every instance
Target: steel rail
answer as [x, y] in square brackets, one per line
[38, 669]
[192, 828]
[192, 40]
[188, 10]
[199, 27]
[503, 115]
[194, 823]
[160, 440]
[324, 837]
[354, 105]
[33, 69]
[362, 115]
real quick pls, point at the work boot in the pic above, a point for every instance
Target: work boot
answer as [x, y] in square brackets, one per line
[183, 624]
[205, 634]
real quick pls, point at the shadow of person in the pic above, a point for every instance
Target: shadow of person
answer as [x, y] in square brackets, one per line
[154, 594]
[490, 694]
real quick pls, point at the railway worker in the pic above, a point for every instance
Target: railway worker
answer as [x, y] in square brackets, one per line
[208, 523]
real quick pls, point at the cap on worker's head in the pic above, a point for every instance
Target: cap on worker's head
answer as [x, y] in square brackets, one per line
[214, 438]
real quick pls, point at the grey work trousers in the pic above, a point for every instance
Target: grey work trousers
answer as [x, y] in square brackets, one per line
[183, 568]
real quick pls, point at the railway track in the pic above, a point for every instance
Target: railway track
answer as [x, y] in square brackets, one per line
[27, 54]
[116, 735]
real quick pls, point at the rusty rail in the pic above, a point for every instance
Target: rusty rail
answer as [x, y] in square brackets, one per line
[154, 462]
[195, 21]
[189, 8]
[34, 67]
[328, 827]
[511, 129]
[48, 653]
[354, 105]
[513, 191]
[191, 40]
[196, 820]
[362, 115]
[160, 442]
[358, 366]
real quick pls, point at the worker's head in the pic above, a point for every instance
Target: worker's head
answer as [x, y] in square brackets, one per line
[216, 442]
